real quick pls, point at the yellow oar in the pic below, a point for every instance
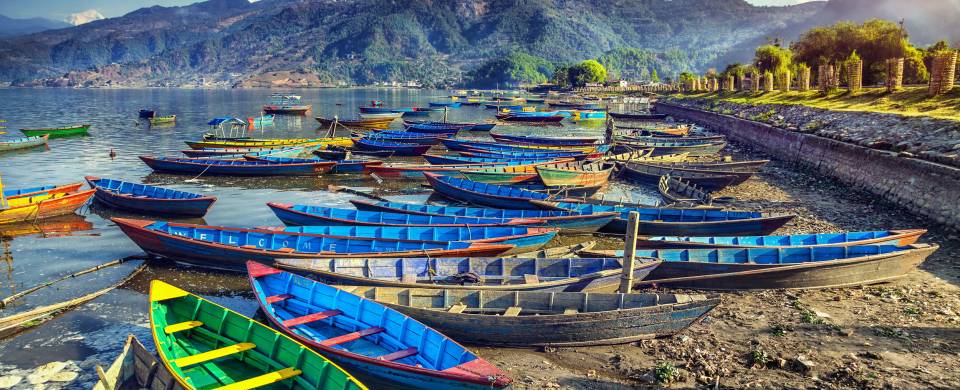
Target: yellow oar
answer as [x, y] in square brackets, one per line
[3, 199]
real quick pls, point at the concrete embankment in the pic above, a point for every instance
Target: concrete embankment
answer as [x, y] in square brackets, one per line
[926, 188]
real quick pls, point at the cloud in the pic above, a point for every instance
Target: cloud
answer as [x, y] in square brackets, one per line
[82, 17]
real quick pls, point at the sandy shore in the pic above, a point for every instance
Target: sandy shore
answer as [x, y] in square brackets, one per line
[896, 335]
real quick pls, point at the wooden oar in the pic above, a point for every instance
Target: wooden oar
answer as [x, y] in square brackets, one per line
[333, 188]
[6, 301]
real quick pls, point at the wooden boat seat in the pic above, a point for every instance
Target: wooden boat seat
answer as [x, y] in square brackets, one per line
[314, 317]
[351, 336]
[408, 278]
[570, 311]
[213, 354]
[403, 353]
[182, 326]
[286, 250]
[263, 380]
[512, 311]
[278, 298]
[530, 279]
[457, 309]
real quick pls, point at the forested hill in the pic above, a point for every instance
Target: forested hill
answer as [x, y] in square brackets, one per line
[362, 41]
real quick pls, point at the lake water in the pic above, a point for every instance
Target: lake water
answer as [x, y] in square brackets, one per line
[94, 333]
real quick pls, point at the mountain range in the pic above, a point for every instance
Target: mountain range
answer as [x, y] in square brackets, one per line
[12, 27]
[312, 42]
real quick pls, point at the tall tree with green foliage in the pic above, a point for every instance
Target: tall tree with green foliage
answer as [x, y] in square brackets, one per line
[772, 58]
[654, 77]
[589, 71]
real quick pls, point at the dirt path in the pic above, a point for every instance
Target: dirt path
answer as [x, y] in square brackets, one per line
[897, 335]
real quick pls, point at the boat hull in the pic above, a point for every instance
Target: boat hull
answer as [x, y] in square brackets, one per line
[53, 206]
[733, 227]
[57, 132]
[246, 168]
[24, 143]
[181, 207]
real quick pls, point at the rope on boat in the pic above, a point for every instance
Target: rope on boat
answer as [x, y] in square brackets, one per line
[197, 176]
[6, 301]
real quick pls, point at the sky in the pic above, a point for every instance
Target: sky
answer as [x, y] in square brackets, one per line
[60, 9]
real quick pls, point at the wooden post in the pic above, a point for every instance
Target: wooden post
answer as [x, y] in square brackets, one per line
[629, 253]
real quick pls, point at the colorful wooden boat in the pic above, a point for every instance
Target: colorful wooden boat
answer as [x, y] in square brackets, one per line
[637, 116]
[41, 190]
[304, 215]
[206, 346]
[785, 268]
[482, 127]
[263, 120]
[380, 115]
[232, 152]
[445, 104]
[286, 105]
[147, 199]
[546, 141]
[575, 174]
[362, 123]
[135, 368]
[235, 167]
[709, 167]
[707, 180]
[678, 190]
[678, 221]
[398, 149]
[274, 143]
[645, 156]
[403, 137]
[229, 248]
[566, 221]
[505, 197]
[161, 120]
[697, 140]
[524, 239]
[451, 159]
[694, 150]
[31, 208]
[536, 319]
[341, 166]
[882, 237]
[416, 171]
[386, 346]
[57, 132]
[514, 117]
[504, 175]
[339, 154]
[379, 108]
[477, 273]
[470, 146]
[23, 143]
[529, 155]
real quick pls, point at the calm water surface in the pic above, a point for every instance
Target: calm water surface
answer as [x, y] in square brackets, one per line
[94, 333]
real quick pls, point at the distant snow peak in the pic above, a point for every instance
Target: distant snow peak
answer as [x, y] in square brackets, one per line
[82, 17]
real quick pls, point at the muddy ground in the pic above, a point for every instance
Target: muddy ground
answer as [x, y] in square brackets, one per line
[901, 335]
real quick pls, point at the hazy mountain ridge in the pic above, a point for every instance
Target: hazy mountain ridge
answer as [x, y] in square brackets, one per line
[10, 27]
[229, 41]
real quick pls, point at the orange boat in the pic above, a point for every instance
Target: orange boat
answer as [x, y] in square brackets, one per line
[43, 206]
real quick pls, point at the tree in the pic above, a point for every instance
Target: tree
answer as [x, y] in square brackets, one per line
[774, 59]
[589, 71]
[653, 76]
[561, 76]
[515, 67]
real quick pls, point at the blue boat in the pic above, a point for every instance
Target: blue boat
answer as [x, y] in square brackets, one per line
[566, 221]
[340, 166]
[785, 268]
[378, 344]
[655, 221]
[493, 274]
[507, 154]
[235, 167]
[506, 197]
[546, 141]
[404, 137]
[398, 149]
[498, 106]
[147, 199]
[884, 237]
[524, 239]
[304, 215]
[41, 190]
[483, 127]
[229, 248]
[454, 160]
[445, 104]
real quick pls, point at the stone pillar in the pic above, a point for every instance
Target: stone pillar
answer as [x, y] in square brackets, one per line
[804, 82]
[730, 84]
[894, 74]
[784, 82]
[767, 82]
[943, 73]
[826, 78]
[855, 75]
[755, 81]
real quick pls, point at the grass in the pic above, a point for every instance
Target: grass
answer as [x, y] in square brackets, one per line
[664, 372]
[911, 101]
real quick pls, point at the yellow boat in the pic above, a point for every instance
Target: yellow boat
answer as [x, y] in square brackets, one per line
[42, 206]
[266, 143]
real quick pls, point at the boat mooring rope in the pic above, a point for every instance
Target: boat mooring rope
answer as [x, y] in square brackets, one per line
[6, 301]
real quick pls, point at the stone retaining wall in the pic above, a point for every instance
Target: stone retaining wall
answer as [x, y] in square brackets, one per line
[923, 187]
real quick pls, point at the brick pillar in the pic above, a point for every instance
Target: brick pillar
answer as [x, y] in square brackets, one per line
[767, 82]
[804, 82]
[784, 84]
[944, 71]
[894, 74]
[730, 84]
[855, 76]
[755, 81]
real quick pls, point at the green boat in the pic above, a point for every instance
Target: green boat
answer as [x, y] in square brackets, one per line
[56, 132]
[158, 120]
[207, 346]
[505, 175]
